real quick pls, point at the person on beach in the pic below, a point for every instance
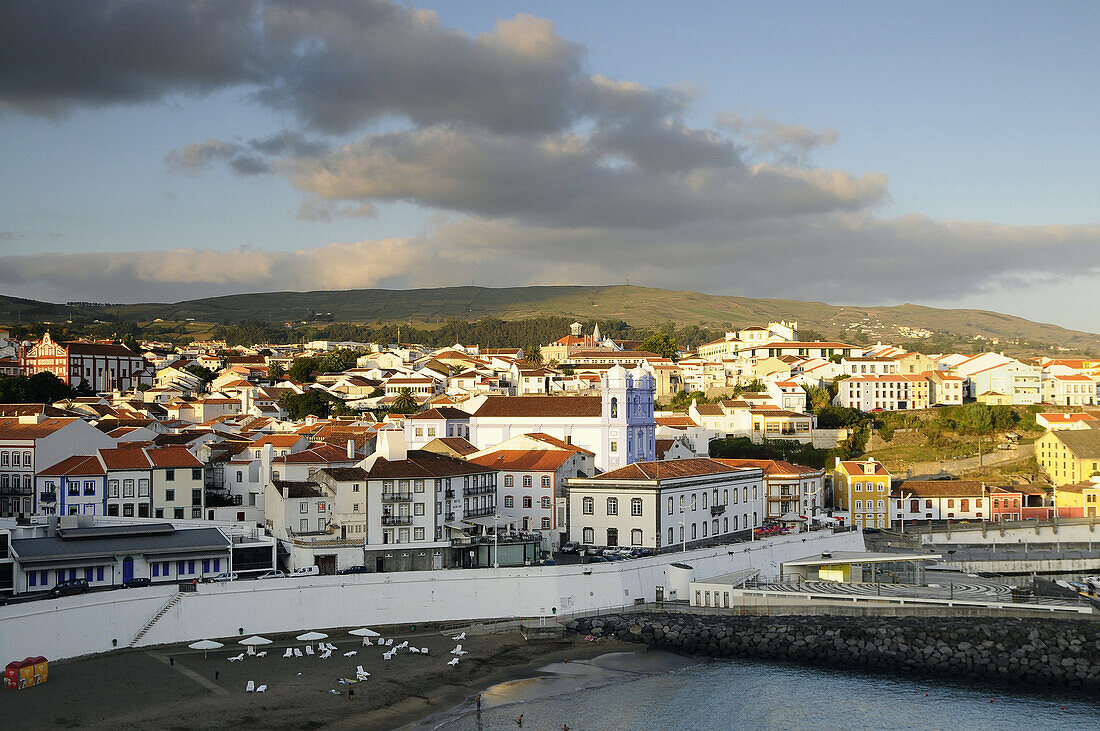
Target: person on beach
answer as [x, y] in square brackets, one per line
[478, 701]
[351, 693]
[519, 721]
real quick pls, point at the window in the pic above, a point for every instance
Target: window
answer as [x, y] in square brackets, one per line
[546, 480]
[694, 531]
[196, 496]
[127, 488]
[636, 537]
[636, 506]
[178, 514]
[614, 408]
[418, 508]
[588, 507]
[613, 506]
[112, 488]
[545, 502]
[546, 523]
[859, 505]
[143, 488]
[614, 446]
[704, 501]
[509, 501]
[99, 573]
[509, 480]
[418, 486]
[859, 487]
[589, 536]
[670, 537]
[127, 510]
[526, 501]
[693, 501]
[527, 480]
[240, 476]
[169, 495]
[170, 475]
[4, 457]
[303, 507]
[418, 534]
[670, 506]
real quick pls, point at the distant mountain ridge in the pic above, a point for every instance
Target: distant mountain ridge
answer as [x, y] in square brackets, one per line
[639, 306]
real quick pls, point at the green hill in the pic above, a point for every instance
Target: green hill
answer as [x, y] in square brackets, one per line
[639, 306]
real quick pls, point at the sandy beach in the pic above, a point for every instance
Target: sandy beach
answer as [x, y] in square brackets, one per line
[143, 688]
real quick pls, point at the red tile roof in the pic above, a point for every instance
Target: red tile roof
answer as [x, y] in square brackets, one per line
[11, 428]
[172, 457]
[528, 460]
[772, 466]
[667, 470]
[80, 464]
[125, 458]
[541, 407]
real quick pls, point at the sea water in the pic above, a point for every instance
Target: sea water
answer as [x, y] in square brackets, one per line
[758, 695]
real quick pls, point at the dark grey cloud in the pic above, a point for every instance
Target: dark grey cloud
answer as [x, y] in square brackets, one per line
[255, 157]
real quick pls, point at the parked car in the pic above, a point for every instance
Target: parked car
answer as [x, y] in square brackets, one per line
[586, 550]
[226, 576]
[599, 559]
[570, 547]
[69, 586]
[642, 552]
[354, 570]
[306, 571]
[273, 574]
[549, 562]
[137, 582]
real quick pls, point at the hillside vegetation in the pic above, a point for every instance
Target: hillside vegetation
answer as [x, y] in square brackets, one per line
[641, 307]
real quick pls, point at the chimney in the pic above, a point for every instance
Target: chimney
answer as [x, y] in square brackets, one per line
[266, 454]
[391, 445]
[351, 449]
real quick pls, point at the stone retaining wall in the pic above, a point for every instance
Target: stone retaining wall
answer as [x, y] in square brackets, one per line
[1043, 651]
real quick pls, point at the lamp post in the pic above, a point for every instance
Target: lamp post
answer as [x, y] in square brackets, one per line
[496, 541]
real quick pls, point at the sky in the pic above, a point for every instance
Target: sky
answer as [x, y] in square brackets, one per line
[872, 153]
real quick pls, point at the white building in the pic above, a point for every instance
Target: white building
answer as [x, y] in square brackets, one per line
[661, 504]
[617, 426]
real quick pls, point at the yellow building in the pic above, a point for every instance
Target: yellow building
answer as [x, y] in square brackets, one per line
[1070, 456]
[1077, 501]
[863, 490]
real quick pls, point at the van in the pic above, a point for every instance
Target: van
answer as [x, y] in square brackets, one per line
[70, 586]
[306, 571]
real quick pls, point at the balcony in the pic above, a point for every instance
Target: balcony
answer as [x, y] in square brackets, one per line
[17, 491]
[717, 510]
[47, 497]
[397, 520]
[478, 490]
[479, 512]
[449, 494]
[449, 516]
[397, 497]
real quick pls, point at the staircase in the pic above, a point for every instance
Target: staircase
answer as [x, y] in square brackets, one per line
[149, 625]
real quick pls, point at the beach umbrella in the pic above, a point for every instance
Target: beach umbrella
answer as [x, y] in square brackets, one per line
[312, 636]
[255, 640]
[363, 632]
[205, 646]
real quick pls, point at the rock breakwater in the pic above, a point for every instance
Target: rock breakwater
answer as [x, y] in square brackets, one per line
[1033, 651]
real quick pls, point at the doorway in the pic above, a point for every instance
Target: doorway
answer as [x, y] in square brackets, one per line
[127, 569]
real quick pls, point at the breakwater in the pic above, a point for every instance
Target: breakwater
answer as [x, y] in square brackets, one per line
[1033, 651]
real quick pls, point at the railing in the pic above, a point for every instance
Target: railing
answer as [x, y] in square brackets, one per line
[479, 512]
[397, 496]
[478, 490]
[717, 509]
[449, 494]
[449, 516]
[48, 497]
[397, 520]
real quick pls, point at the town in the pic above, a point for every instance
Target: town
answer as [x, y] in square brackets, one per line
[344, 457]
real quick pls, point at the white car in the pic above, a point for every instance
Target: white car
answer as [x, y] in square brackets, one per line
[306, 571]
[273, 574]
[226, 576]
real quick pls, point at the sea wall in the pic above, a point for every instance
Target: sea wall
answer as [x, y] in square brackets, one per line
[103, 621]
[1044, 651]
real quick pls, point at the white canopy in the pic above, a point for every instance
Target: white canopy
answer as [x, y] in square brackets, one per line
[364, 632]
[255, 640]
[205, 645]
[311, 636]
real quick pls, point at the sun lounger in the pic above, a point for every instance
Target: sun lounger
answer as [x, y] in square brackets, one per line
[309, 649]
[326, 654]
[262, 654]
[389, 642]
[366, 641]
[350, 654]
[251, 687]
[289, 652]
[262, 689]
[297, 652]
[237, 658]
[454, 662]
[415, 649]
[423, 650]
[457, 650]
[459, 638]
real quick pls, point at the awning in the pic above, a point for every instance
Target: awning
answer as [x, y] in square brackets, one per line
[456, 525]
[488, 520]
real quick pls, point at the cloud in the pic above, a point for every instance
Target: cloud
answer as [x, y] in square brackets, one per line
[256, 157]
[791, 143]
[850, 258]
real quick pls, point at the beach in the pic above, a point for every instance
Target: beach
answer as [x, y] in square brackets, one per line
[178, 688]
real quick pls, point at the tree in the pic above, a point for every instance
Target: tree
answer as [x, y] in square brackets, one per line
[662, 344]
[533, 354]
[84, 389]
[817, 398]
[301, 405]
[405, 403]
[41, 388]
[202, 372]
[275, 371]
[301, 370]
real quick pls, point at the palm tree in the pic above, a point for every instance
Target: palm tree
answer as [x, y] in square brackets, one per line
[533, 354]
[405, 403]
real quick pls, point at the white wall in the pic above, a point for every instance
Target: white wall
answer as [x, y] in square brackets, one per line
[321, 602]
